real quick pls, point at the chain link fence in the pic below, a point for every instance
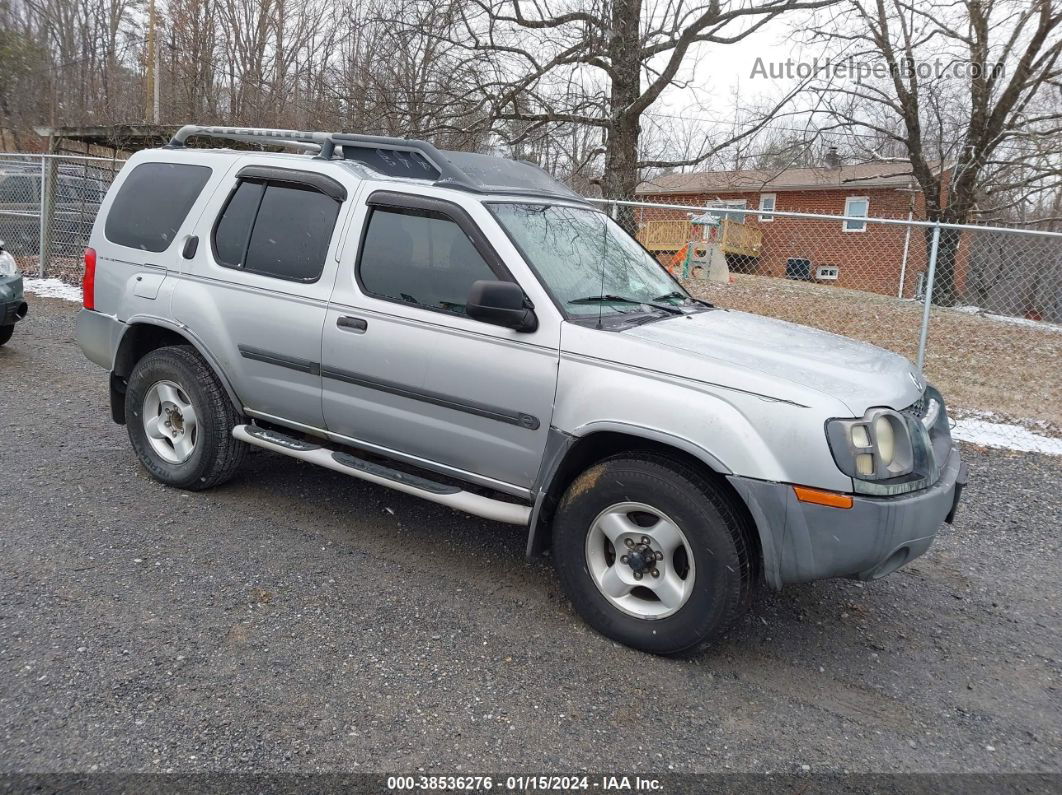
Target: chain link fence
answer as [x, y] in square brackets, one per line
[47, 206]
[991, 339]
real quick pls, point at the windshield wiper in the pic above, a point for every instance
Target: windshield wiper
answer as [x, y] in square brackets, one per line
[619, 299]
[684, 297]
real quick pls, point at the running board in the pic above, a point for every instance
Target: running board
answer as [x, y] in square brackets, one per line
[348, 464]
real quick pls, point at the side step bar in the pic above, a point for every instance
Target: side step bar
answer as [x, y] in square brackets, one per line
[348, 464]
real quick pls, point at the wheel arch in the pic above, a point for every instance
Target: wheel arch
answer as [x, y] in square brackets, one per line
[146, 334]
[567, 455]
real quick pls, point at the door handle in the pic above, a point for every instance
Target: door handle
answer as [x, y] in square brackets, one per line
[355, 324]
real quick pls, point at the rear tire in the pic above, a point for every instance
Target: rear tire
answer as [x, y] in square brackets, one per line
[180, 420]
[6, 332]
[703, 572]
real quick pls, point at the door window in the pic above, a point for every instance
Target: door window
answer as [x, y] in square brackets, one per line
[419, 257]
[278, 230]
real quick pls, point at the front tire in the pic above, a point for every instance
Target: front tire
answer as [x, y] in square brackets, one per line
[652, 554]
[180, 420]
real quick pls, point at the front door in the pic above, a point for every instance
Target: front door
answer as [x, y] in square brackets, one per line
[404, 369]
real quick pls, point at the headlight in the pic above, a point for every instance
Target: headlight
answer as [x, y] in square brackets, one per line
[876, 447]
[8, 266]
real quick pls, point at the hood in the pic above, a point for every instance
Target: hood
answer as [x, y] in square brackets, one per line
[858, 374]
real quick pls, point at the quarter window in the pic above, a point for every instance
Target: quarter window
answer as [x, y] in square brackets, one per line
[152, 204]
[278, 230]
[420, 257]
[857, 206]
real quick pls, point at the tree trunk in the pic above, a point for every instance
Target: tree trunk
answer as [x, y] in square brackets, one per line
[621, 144]
[945, 286]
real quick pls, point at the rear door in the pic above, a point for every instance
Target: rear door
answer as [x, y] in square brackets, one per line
[407, 371]
[256, 283]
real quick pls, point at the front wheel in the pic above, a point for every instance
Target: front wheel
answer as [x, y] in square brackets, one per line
[180, 420]
[652, 554]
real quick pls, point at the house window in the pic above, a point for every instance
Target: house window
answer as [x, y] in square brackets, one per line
[734, 209]
[857, 206]
[798, 268]
[766, 204]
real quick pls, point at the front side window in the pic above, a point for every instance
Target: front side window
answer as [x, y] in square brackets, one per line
[419, 257]
[278, 230]
[590, 266]
[857, 206]
[152, 204]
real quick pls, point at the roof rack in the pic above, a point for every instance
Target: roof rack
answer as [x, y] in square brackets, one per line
[401, 157]
[324, 143]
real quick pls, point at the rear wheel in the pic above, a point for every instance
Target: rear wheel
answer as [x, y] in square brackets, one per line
[180, 420]
[6, 332]
[652, 554]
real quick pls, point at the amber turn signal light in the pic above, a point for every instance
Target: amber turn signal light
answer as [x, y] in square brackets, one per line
[818, 497]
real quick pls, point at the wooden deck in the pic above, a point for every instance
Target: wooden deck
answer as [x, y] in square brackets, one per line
[672, 235]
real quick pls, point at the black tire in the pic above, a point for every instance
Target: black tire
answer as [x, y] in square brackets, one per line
[6, 332]
[715, 531]
[217, 454]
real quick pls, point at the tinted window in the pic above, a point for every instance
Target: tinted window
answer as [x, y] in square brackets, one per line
[276, 230]
[152, 204]
[234, 227]
[421, 258]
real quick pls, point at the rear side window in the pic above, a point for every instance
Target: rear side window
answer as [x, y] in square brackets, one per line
[276, 229]
[152, 204]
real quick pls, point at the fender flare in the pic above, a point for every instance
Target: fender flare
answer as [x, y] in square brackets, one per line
[560, 443]
[183, 331]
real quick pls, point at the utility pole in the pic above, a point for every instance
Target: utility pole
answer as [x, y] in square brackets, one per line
[151, 92]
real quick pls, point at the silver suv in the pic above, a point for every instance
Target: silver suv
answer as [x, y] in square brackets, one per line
[467, 330]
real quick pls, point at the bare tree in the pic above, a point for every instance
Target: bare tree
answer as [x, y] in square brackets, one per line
[966, 90]
[603, 64]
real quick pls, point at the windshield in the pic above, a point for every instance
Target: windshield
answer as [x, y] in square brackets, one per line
[587, 262]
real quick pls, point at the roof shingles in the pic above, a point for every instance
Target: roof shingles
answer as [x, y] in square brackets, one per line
[878, 175]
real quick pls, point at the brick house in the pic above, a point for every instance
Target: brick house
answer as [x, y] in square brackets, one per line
[854, 254]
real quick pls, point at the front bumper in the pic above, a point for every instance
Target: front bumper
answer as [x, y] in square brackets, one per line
[12, 304]
[877, 535]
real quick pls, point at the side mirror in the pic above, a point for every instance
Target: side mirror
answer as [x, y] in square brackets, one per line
[501, 304]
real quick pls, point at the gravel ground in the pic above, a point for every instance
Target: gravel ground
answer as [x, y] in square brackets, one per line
[297, 620]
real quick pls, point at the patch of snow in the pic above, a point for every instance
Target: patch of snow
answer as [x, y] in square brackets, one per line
[1041, 325]
[52, 288]
[1002, 434]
